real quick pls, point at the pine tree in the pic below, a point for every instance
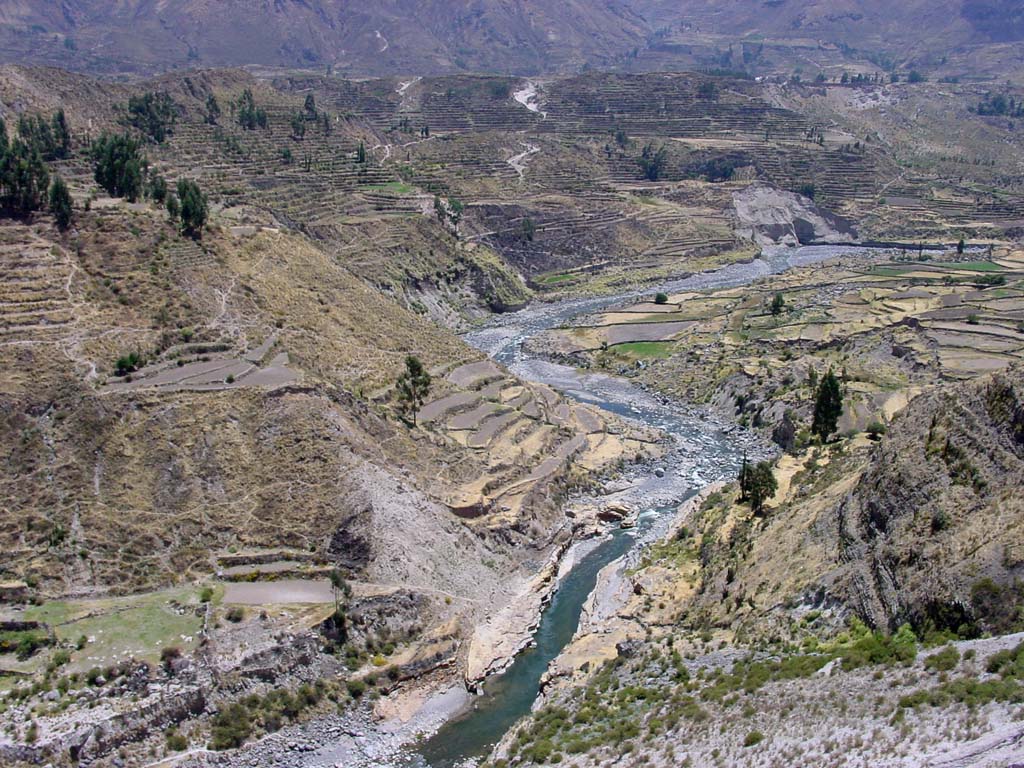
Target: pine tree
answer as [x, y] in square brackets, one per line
[193, 207]
[60, 202]
[828, 407]
[413, 386]
[777, 304]
[762, 485]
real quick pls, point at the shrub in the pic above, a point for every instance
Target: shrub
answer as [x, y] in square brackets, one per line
[876, 429]
[752, 738]
[944, 660]
[356, 688]
[661, 298]
[231, 727]
[205, 594]
[235, 614]
[175, 741]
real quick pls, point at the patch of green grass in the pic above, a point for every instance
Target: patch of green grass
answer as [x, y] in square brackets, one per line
[978, 266]
[645, 349]
[138, 626]
[398, 187]
[555, 279]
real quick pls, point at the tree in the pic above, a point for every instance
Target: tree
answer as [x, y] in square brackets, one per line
[212, 109]
[154, 114]
[24, 177]
[529, 229]
[361, 153]
[120, 165]
[761, 485]
[652, 161]
[60, 202]
[173, 207]
[61, 134]
[777, 304]
[339, 586]
[413, 386]
[298, 126]
[743, 477]
[250, 116]
[193, 207]
[661, 298]
[311, 106]
[960, 246]
[828, 407]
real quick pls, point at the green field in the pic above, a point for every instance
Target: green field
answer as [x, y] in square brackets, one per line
[978, 266]
[645, 349]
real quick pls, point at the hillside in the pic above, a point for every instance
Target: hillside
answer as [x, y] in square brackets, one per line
[396, 37]
[400, 37]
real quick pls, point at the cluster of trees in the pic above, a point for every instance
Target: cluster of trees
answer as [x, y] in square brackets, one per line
[52, 138]
[25, 183]
[24, 176]
[121, 168]
[653, 161]
[448, 211]
[1000, 105]
[249, 115]
[120, 165]
[154, 114]
[757, 483]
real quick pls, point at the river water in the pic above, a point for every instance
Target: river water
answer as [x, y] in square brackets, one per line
[704, 451]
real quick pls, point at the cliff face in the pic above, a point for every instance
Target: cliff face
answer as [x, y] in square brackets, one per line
[932, 532]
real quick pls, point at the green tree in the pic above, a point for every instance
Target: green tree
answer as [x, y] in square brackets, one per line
[61, 134]
[653, 161]
[173, 206]
[60, 202]
[250, 116]
[24, 177]
[761, 485]
[154, 114]
[828, 407]
[311, 106]
[960, 247]
[120, 165]
[413, 386]
[212, 109]
[193, 207]
[298, 126]
[361, 153]
[778, 302]
[661, 298]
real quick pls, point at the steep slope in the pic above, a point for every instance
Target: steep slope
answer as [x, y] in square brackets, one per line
[932, 531]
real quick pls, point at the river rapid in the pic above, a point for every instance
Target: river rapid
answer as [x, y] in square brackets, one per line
[704, 450]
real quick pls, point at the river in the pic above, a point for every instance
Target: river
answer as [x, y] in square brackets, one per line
[704, 451]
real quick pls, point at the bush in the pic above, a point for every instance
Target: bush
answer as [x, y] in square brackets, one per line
[661, 298]
[175, 741]
[235, 614]
[356, 688]
[205, 594]
[876, 429]
[752, 738]
[944, 660]
[231, 727]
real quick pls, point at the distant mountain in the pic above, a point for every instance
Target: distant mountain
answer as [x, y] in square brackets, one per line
[509, 36]
[389, 36]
